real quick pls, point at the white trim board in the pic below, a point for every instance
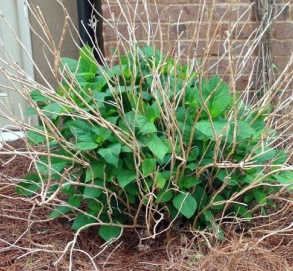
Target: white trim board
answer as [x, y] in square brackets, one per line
[11, 136]
[25, 37]
[15, 48]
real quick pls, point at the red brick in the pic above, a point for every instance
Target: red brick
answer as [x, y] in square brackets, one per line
[281, 62]
[140, 14]
[170, 32]
[109, 10]
[132, 13]
[244, 31]
[282, 48]
[186, 48]
[174, 1]
[178, 31]
[287, 83]
[169, 11]
[284, 12]
[283, 31]
[194, 30]
[199, 48]
[243, 82]
[183, 2]
[217, 66]
[241, 49]
[232, 13]
[111, 34]
[202, 31]
[217, 48]
[244, 65]
[188, 13]
[109, 48]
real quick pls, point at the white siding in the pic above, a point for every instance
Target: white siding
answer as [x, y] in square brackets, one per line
[13, 28]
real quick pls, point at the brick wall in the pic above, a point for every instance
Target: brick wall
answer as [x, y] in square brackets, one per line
[198, 24]
[282, 38]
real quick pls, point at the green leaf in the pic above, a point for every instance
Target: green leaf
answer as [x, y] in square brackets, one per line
[206, 128]
[69, 190]
[29, 186]
[31, 112]
[129, 118]
[220, 233]
[87, 60]
[132, 189]
[37, 96]
[183, 115]
[37, 137]
[260, 196]
[75, 201]
[125, 177]
[200, 196]
[122, 89]
[118, 69]
[109, 233]
[280, 157]
[164, 196]
[144, 125]
[193, 154]
[191, 166]
[53, 110]
[220, 96]
[86, 146]
[79, 127]
[160, 180]
[86, 75]
[150, 51]
[96, 171]
[265, 154]
[126, 149]
[89, 137]
[152, 112]
[185, 204]
[111, 154]
[71, 64]
[100, 96]
[242, 211]
[216, 205]
[94, 205]
[189, 182]
[59, 211]
[102, 134]
[285, 178]
[157, 146]
[81, 220]
[53, 164]
[93, 192]
[185, 122]
[208, 215]
[244, 131]
[148, 166]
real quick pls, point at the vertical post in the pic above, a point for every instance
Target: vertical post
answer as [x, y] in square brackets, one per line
[86, 18]
[265, 13]
[25, 37]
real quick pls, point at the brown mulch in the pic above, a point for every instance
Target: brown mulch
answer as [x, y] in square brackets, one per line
[40, 247]
[14, 165]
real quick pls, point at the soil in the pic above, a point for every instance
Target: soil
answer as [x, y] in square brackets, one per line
[30, 241]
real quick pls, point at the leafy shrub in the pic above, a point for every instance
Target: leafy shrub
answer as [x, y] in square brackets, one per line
[149, 142]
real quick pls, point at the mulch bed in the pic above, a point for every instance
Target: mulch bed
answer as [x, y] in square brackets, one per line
[30, 241]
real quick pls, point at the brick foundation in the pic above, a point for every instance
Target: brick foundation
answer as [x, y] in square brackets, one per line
[194, 36]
